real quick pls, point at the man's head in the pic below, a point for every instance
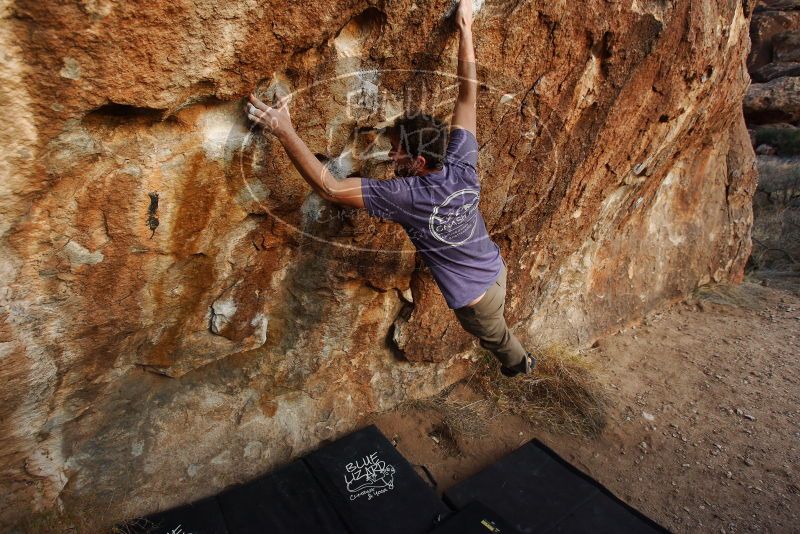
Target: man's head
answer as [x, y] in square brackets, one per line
[418, 142]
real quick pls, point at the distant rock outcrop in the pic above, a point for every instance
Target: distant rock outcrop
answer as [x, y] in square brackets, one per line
[774, 64]
[771, 20]
[776, 101]
[772, 109]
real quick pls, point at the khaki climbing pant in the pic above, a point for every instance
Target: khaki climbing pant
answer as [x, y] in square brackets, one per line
[485, 321]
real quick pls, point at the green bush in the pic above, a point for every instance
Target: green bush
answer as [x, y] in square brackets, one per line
[785, 140]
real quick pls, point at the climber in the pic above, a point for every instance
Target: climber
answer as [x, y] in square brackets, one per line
[434, 196]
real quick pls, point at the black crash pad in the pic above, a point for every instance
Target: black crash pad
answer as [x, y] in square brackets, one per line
[535, 490]
[373, 488]
[475, 518]
[200, 517]
[286, 501]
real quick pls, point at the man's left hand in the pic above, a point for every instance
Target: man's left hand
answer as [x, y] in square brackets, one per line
[273, 119]
[464, 15]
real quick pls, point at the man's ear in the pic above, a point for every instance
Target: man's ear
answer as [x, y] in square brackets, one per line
[421, 162]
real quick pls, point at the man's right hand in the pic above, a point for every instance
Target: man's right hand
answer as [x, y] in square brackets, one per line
[464, 15]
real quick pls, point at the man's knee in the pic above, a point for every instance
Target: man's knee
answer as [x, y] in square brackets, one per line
[496, 335]
[470, 325]
[496, 326]
[492, 329]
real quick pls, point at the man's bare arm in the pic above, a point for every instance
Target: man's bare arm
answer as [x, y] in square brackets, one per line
[345, 192]
[464, 113]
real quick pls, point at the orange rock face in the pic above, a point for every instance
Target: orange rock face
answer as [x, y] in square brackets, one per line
[179, 312]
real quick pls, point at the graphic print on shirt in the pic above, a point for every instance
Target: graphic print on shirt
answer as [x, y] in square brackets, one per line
[454, 220]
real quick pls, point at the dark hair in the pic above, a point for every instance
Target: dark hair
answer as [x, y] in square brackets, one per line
[423, 135]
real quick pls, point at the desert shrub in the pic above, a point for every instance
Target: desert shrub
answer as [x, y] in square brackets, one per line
[786, 141]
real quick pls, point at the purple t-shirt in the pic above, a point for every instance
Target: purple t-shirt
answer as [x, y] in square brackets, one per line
[440, 214]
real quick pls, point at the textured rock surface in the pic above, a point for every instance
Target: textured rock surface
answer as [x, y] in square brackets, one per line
[770, 19]
[777, 100]
[786, 47]
[771, 71]
[179, 313]
[774, 62]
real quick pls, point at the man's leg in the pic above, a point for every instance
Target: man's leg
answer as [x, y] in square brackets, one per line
[485, 321]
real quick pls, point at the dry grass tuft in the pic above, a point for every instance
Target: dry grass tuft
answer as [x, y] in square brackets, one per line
[138, 525]
[779, 176]
[461, 418]
[563, 393]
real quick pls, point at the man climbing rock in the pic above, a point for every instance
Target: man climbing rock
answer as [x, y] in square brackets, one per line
[434, 196]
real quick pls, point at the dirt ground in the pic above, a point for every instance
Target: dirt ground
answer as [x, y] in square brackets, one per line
[703, 432]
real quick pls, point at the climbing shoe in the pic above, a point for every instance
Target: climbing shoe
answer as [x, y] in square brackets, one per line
[523, 367]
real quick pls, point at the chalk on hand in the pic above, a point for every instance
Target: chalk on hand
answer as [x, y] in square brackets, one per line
[476, 6]
[271, 90]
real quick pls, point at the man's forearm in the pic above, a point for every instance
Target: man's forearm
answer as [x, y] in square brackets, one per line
[467, 72]
[308, 165]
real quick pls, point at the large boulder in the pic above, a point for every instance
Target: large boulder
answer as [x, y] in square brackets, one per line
[770, 71]
[786, 46]
[777, 100]
[770, 19]
[179, 312]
